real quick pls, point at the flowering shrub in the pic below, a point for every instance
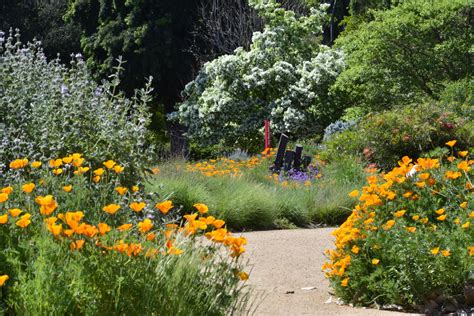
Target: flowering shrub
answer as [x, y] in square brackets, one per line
[382, 138]
[47, 109]
[74, 240]
[284, 76]
[410, 238]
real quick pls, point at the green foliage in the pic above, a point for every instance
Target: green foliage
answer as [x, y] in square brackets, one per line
[43, 20]
[383, 137]
[48, 110]
[406, 54]
[153, 37]
[412, 247]
[284, 76]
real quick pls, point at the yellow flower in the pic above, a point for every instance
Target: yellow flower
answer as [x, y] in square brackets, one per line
[463, 153]
[441, 218]
[36, 164]
[124, 227]
[243, 276]
[155, 170]
[471, 215]
[463, 165]
[201, 207]
[104, 228]
[355, 249]
[58, 171]
[415, 217]
[137, 206]
[471, 250]
[24, 221]
[56, 229]
[389, 224]
[218, 223]
[354, 193]
[99, 171]
[76, 245]
[7, 190]
[3, 197]
[424, 220]
[445, 253]
[3, 279]
[435, 251]
[451, 143]
[68, 159]
[28, 188]
[55, 163]
[18, 163]
[420, 184]
[440, 211]
[109, 164]
[345, 282]
[47, 204]
[77, 162]
[457, 221]
[135, 188]
[150, 236]
[15, 212]
[411, 229]
[463, 204]
[96, 179]
[399, 213]
[165, 206]
[81, 170]
[452, 174]
[118, 169]
[111, 208]
[145, 226]
[375, 261]
[466, 224]
[67, 188]
[121, 190]
[424, 176]
[4, 219]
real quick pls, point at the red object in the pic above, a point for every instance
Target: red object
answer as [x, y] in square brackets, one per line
[267, 133]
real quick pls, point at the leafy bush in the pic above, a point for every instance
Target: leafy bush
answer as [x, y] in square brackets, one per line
[383, 137]
[410, 238]
[49, 110]
[389, 63]
[284, 76]
[72, 243]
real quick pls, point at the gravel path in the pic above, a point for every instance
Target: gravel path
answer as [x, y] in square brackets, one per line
[285, 261]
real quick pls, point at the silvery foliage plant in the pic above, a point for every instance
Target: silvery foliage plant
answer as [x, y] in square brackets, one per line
[285, 76]
[48, 110]
[336, 128]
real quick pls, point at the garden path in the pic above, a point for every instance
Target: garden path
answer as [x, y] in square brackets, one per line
[283, 262]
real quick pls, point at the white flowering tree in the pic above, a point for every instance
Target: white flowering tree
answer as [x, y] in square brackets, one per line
[284, 76]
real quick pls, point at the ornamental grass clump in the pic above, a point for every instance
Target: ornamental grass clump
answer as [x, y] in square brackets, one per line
[410, 239]
[49, 110]
[77, 240]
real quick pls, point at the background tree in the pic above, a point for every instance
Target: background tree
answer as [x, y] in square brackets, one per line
[43, 20]
[284, 76]
[406, 54]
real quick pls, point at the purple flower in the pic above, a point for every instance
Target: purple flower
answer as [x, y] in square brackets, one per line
[64, 89]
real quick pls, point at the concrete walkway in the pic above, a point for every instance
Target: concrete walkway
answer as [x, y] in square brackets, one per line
[283, 262]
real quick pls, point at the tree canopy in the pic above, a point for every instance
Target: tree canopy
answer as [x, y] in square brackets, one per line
[407, 53]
